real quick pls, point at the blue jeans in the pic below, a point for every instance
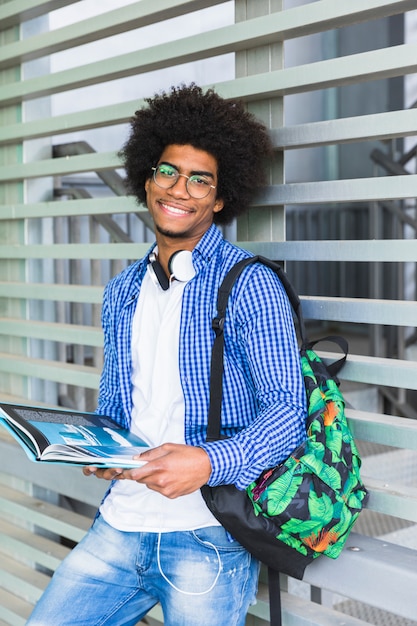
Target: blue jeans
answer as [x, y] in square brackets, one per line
[200, 578]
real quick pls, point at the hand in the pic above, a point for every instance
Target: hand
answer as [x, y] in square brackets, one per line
[171, 469]
[108, 473]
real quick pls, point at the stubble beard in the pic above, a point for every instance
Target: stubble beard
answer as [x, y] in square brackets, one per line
[169, 233]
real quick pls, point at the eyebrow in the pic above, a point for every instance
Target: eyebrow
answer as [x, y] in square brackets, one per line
[192, 173]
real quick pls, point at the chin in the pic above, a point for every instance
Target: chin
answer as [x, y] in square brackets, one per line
[166, 232]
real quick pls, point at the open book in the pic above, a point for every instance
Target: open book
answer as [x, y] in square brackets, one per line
[71, 437]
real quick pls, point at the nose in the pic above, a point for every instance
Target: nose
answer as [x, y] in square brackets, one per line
[179, 188]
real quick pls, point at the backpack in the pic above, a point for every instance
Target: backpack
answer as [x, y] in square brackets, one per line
[306, 506]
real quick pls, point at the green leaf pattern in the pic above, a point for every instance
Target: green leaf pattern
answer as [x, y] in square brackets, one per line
[325, 481]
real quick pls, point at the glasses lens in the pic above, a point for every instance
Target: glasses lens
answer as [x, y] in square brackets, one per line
[198, 186]
[165, 175]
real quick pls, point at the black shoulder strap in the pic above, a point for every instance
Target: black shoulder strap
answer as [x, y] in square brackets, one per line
[216, 382]
[230, 278]
[217, 357]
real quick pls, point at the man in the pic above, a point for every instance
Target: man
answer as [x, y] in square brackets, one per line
[196, 160]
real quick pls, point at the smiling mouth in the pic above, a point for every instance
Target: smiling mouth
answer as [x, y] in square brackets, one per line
[174, 210]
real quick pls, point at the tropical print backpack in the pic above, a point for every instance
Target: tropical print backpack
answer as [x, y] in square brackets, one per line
[316, 495]
[307, 505]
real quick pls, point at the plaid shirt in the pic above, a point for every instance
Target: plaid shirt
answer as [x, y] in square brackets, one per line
[264, 406]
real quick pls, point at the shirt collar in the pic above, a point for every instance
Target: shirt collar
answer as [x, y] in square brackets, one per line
[202, 253]
[206, 247]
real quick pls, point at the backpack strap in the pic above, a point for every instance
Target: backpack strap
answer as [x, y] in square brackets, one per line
[217, 356]
[230, 278]
[216, 382]
[335, 367]
[274, 594]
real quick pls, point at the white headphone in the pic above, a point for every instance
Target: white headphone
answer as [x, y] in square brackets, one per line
[180, 267]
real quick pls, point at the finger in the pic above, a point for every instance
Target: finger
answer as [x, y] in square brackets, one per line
[112, 473]
[105, 473]
[89, 470]
[150, 455]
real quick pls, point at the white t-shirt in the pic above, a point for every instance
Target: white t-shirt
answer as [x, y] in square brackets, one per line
[158, 416]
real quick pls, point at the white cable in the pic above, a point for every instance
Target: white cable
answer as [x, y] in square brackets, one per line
[189, 593]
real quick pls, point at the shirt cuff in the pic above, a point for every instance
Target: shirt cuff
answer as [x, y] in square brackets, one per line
[227, 460]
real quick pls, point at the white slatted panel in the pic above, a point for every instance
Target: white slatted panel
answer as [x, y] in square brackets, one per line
[256, 31]
[72, 338]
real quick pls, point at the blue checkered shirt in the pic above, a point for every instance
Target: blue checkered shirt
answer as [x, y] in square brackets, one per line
[264, 406]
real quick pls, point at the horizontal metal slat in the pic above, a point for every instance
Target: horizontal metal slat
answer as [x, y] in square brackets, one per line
[75, 251]
[297, 611]
[12, 13]
[377, 64]
[187, 50]
[26, 545]
[12, 399]
[287, 23]
[70, 122]
[14, 610]
[57, 167]
[366, 559]
[398, 250]
[63, 479]
[376, 189]
[300, 611]
[356, 310]
[67, 333]
[360, 310]
[351, 69]
[91, 206]
[378, 371]
[68, 373]
[387, 430]
[22, 580]
[370, 370]
[44, 291]
[48, 516]
[398, 313]
[295, 22]
[391, 499]
[103, 25]
[381, 126]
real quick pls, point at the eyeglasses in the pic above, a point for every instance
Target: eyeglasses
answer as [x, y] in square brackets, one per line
[166, 176]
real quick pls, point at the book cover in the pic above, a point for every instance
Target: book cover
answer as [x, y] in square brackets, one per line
[71, 437]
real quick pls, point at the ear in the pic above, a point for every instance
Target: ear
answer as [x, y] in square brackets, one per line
[218, 205]
[147, 183]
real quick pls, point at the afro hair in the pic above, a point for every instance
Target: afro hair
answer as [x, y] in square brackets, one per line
[188, 116]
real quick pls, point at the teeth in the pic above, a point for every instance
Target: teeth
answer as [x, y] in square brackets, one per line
[168, 207]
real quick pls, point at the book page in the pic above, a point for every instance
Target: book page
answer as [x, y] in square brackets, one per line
[84, 436]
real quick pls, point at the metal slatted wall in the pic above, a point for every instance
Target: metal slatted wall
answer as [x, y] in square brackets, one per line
[51, 276]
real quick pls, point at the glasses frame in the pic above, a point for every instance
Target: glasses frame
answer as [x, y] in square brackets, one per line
[155, 169]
